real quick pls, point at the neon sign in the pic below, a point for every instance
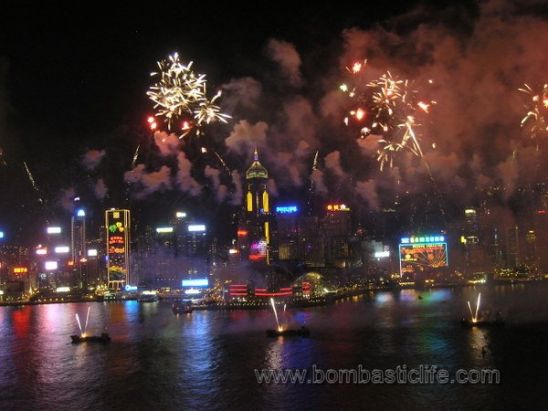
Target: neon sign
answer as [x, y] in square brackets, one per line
[287, 209]
[423, 239]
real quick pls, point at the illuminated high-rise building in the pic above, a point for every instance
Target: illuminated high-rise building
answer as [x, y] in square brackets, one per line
[337, 229]
[513, 254]
[287, 232]
[257, 215]
[312, 242]
[474, 257]
[78, 245]
[118, 229]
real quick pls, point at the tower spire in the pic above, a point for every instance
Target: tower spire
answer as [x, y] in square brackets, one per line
[256, 154]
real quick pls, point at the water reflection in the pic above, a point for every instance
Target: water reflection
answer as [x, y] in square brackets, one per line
[206, 359]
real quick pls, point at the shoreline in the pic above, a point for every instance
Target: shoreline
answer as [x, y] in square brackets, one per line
[259, 304]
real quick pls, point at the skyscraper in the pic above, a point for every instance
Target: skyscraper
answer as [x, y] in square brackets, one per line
[287, 232]
[257, 216]
[337, 228]
[78, 246]
[118, 226]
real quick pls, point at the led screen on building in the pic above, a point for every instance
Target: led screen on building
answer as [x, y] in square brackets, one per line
[117, 223]
[422, 256]
[258, 251]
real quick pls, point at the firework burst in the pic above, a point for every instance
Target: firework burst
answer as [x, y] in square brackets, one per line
[386, 107]
[180, 97]
[536, 106]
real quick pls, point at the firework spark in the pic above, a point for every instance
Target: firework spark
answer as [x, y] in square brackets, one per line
[386, 107]
[179, 96]
[535, 119]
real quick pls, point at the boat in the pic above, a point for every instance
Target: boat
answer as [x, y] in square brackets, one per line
[103, 338]
[148, 297]
[499, 322]
[181, 308]
[289, 332]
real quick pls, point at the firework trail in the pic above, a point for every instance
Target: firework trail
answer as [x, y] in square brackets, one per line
[536, 106]
[180, 97]
[315, 162]
[32, 182]
[386, 107]
[135, 155]
[222, 162]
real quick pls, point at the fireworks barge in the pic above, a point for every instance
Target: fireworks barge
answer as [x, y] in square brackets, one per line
[288, 332]
[103, 338]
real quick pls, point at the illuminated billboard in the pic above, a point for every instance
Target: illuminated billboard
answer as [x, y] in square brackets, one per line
[117, 223]
[196, 282]
[422, 254]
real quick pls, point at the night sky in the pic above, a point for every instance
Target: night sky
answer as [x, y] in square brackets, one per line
[73, 78]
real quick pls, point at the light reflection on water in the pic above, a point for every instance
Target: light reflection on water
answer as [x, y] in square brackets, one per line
[206, 359]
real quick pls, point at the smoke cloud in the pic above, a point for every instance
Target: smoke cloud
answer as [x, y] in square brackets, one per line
[149, 182]
[167, 143]
[286, 55]
[242, 92]
[66, 199]
[220, 190]
[100, 189]
[92, 158]
[185, 180]
[245, 137]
